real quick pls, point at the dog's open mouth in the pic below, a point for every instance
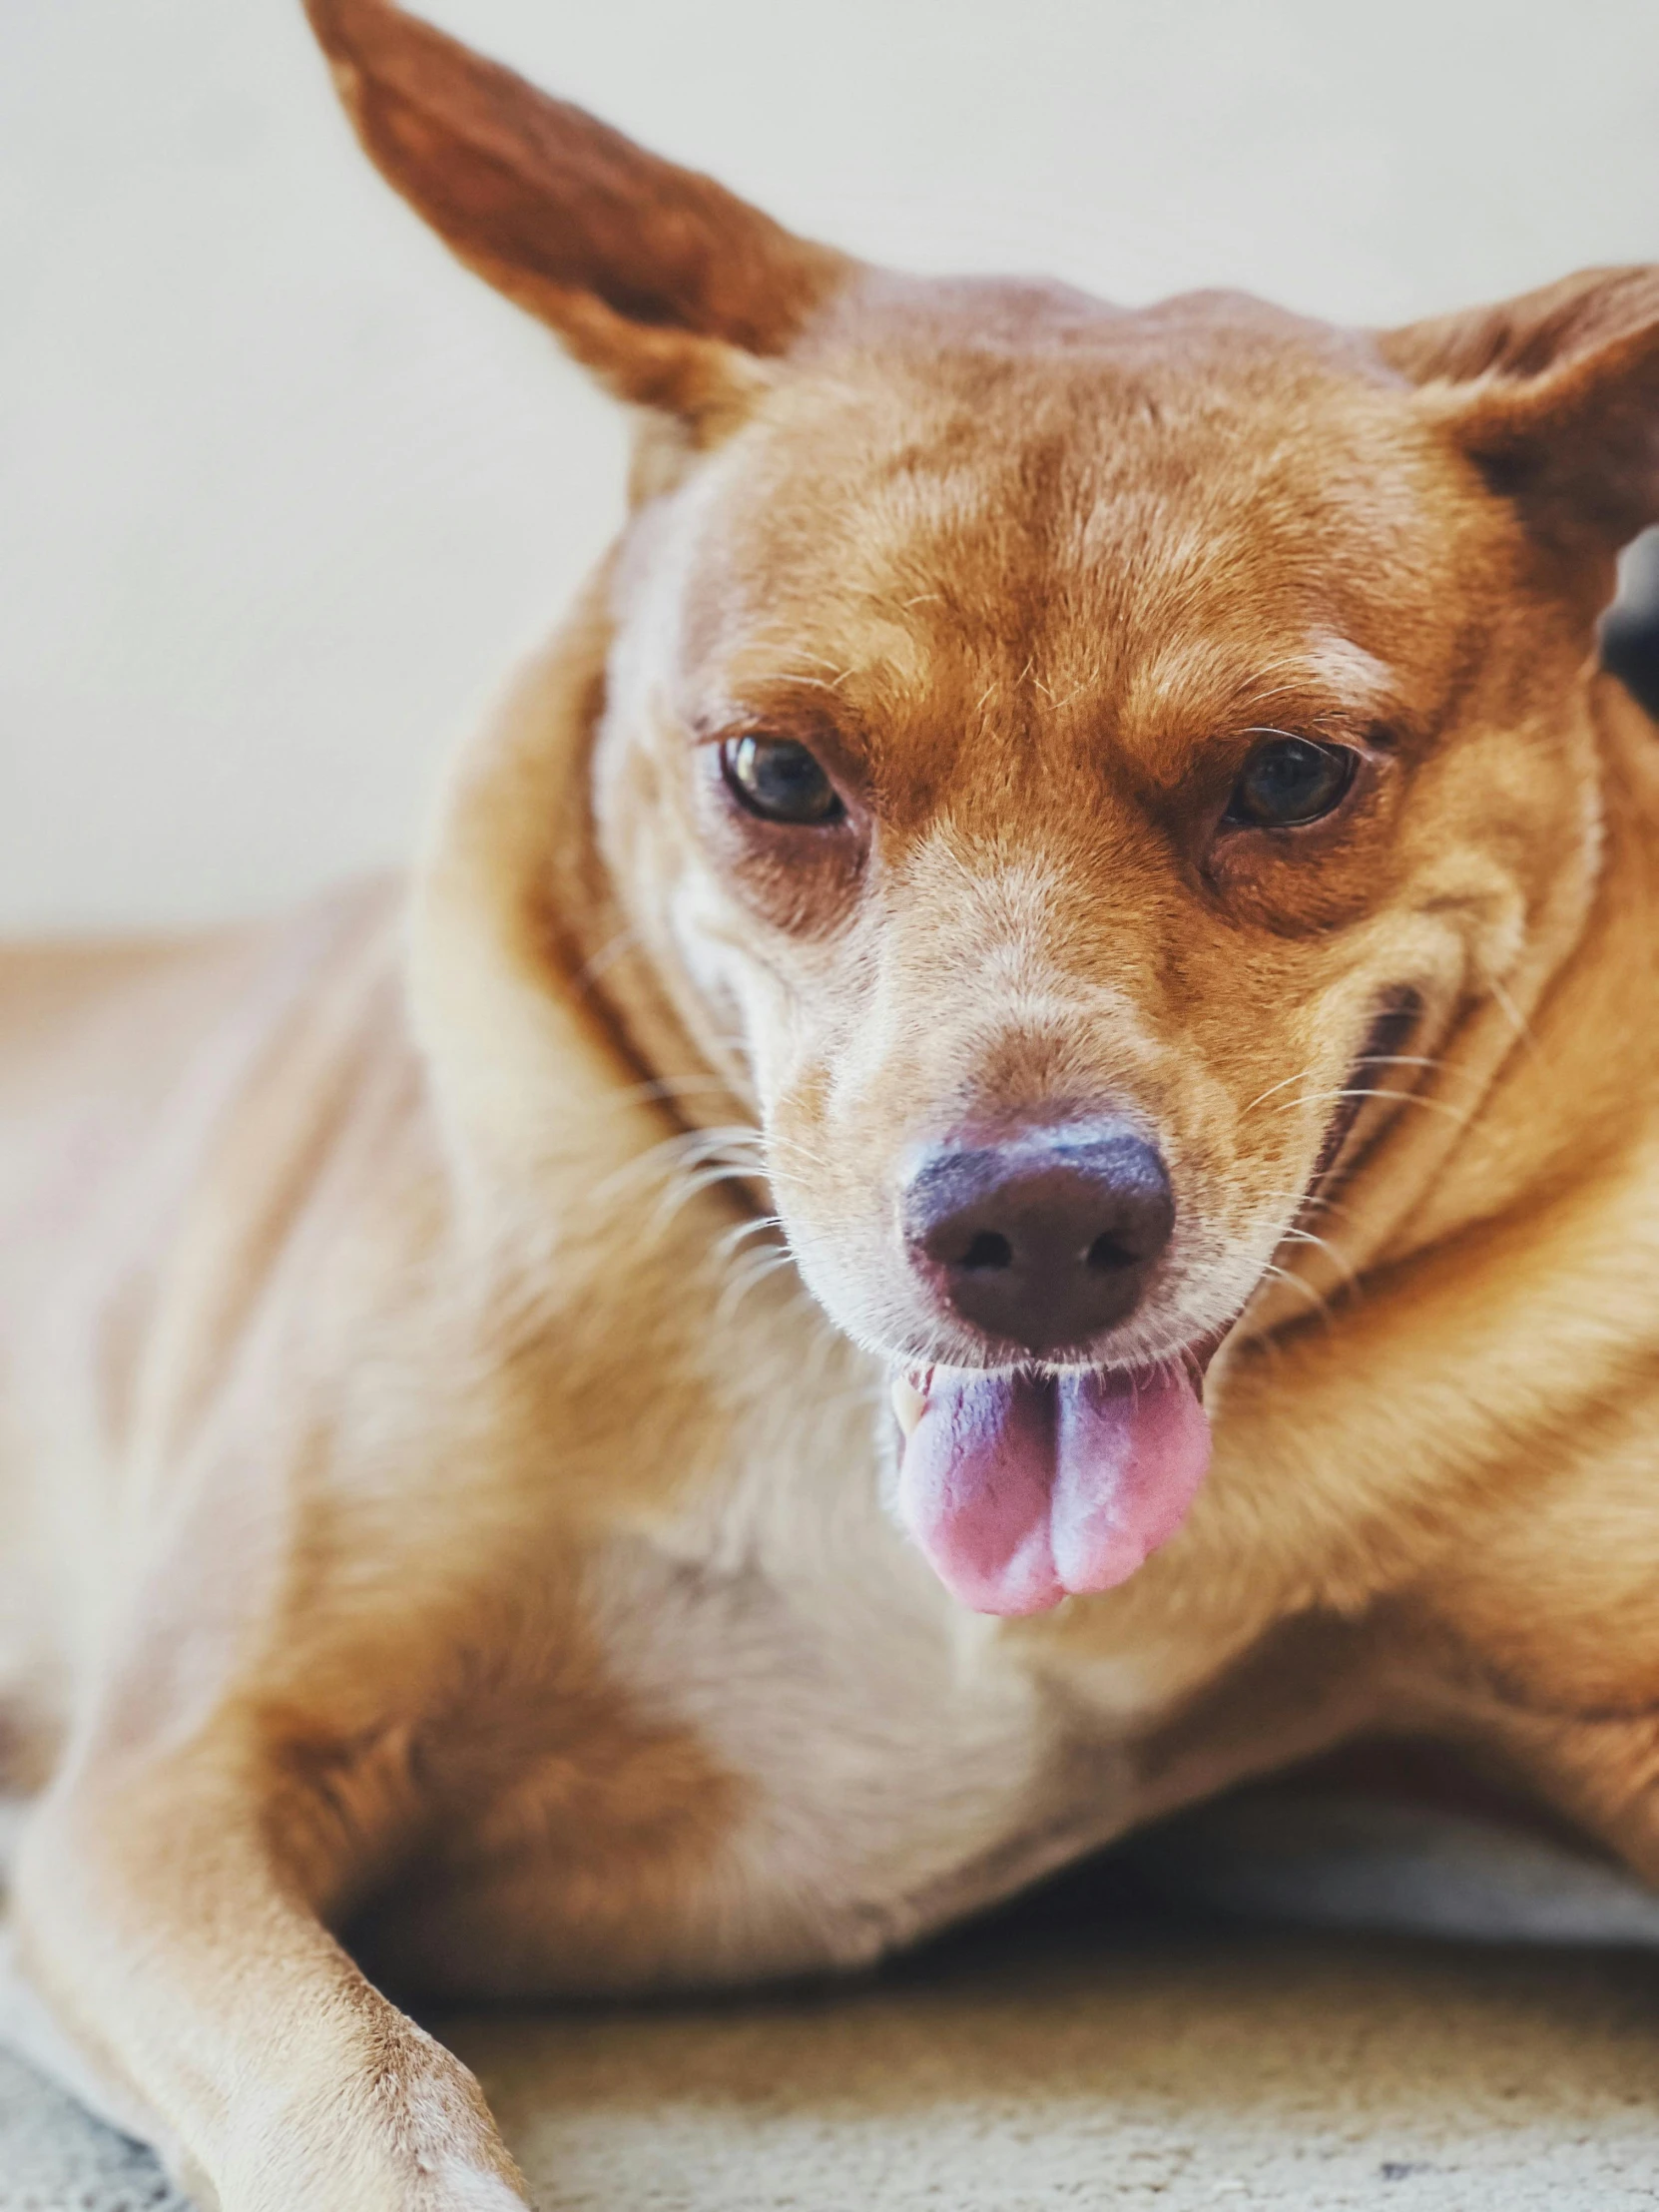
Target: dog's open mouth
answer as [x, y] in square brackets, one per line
[1023, 1487]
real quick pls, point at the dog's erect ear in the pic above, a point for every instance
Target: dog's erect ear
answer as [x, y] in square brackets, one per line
[664, 284]
[1556, 396]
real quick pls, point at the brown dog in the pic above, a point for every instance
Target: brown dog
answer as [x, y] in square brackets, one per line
[1091, 841]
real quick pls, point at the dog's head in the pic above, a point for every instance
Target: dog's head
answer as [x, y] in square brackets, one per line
[1059, 761]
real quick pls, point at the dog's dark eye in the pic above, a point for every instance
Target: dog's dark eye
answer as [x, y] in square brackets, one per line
[1289, 782]
[778, 779]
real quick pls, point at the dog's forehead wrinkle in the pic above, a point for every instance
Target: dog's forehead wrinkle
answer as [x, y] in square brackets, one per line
[1020, 435]
[1030, 545]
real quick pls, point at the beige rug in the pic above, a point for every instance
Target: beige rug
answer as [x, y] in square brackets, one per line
[1087, 2052]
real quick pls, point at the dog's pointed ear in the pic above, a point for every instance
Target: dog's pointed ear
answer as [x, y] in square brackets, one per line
[1556, 396]
[666, 284]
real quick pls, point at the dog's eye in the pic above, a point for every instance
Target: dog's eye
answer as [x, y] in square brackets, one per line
[778, 779]
[1290, 782]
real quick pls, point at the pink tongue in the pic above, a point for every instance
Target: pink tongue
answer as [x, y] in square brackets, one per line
[1022, 1489]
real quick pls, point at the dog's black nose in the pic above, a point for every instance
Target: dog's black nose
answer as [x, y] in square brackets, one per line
[1043, 1241]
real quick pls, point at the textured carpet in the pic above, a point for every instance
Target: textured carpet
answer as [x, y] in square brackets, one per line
[1089, 2049]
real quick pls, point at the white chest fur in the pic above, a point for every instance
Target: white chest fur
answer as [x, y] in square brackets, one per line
[902, 1764]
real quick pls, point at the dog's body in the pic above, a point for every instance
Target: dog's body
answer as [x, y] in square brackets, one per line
[434, 1508]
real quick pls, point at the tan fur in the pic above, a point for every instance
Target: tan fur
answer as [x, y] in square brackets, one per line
[442, 1530]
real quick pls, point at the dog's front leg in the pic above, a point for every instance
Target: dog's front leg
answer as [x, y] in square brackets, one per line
[156, 1923]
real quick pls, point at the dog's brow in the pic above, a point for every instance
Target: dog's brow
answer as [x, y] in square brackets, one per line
[797, 687]
[794, 703]
[1205, 684]
[1365, 682]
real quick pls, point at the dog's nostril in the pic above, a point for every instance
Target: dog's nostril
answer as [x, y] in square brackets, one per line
[988, 1249]
[1107, 1253]
[1043, 1241]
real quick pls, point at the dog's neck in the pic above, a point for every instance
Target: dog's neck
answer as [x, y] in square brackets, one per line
[529, 998]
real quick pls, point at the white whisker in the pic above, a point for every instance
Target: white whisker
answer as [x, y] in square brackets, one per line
[744, 1279]
[1402, 1098]
[1306, 1236]
[1283, 1084]
[729, 1243]
[1321, 1306]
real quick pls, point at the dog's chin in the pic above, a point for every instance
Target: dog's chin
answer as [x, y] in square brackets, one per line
[1025, 1486]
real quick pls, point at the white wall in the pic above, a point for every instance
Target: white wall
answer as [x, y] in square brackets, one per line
[280, 490]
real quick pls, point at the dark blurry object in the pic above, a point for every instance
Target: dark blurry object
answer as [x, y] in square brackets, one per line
[1630, 634]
